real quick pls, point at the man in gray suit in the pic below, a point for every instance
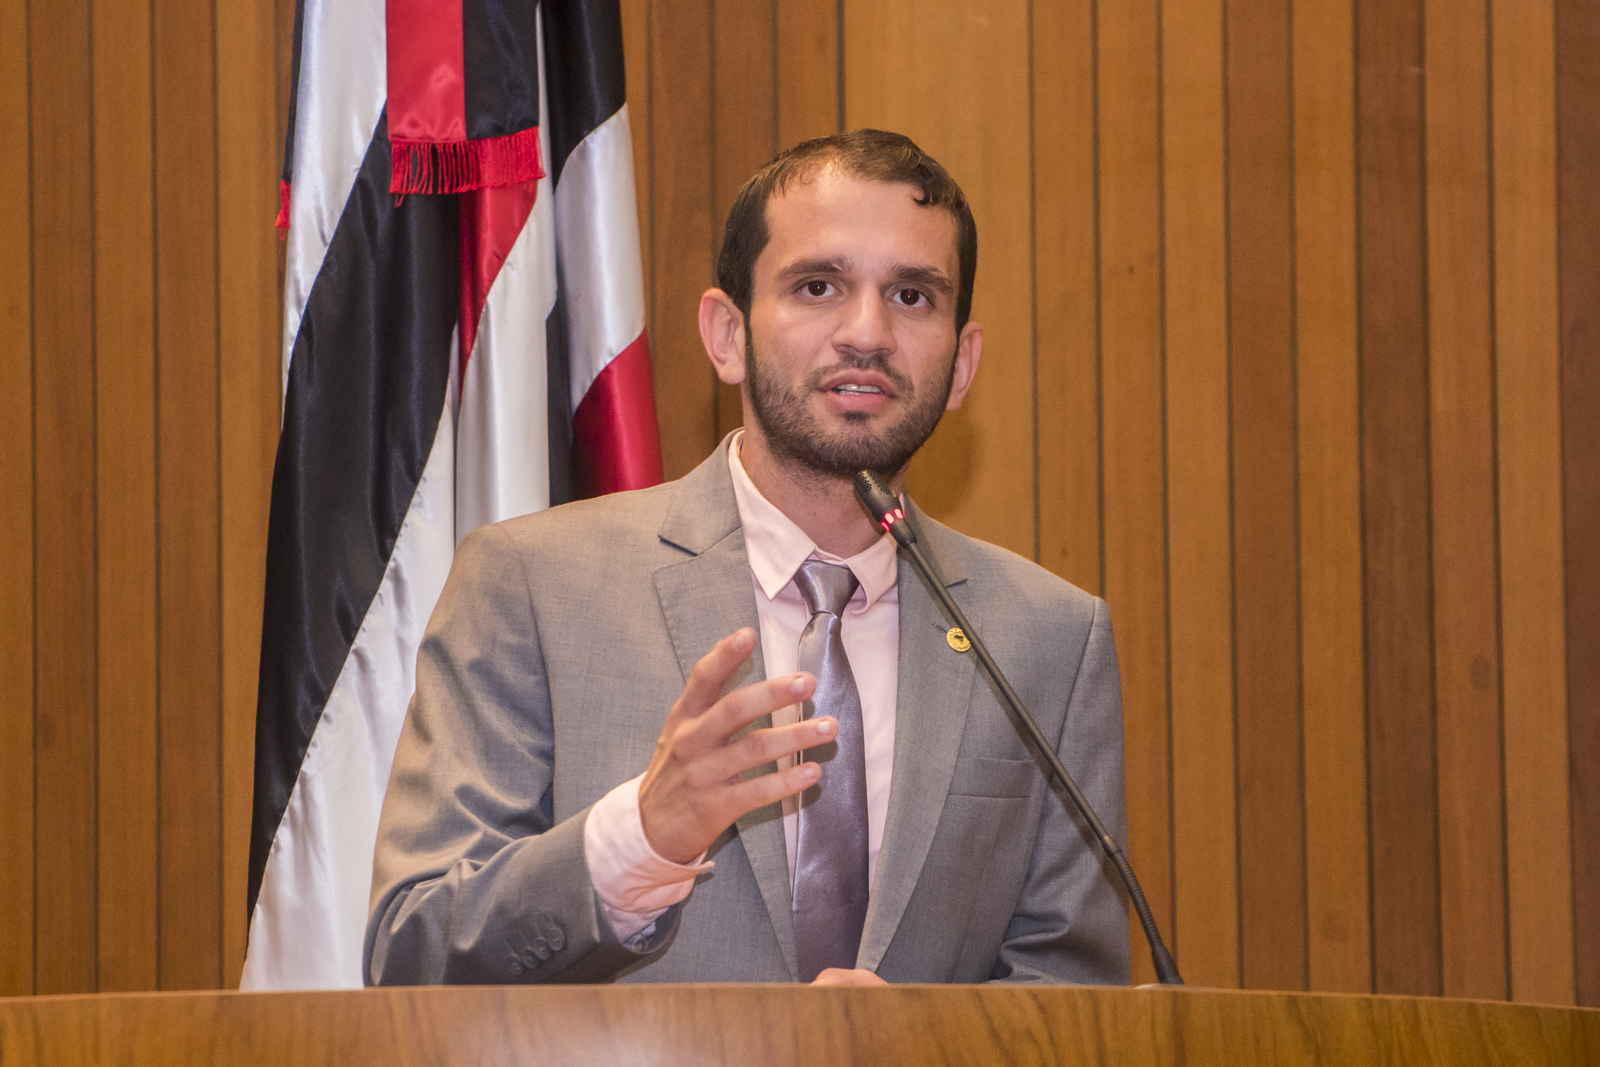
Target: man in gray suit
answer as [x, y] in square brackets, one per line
[606, 772]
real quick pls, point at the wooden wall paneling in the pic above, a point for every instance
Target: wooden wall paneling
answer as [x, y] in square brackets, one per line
[125, 560]
[636, 62]
[1338, 913]
[1578, 129]
[64, 517]
[1067, 292]
[1394, 413]
[188, 498]
[248, 158]
[808, 51]
[1266, 585]
[682, 228]
[1133, 446]
[1461, 431]
[1528, 398]
[1200, 555]
[16, 518]
[954, 79]
[744, 136]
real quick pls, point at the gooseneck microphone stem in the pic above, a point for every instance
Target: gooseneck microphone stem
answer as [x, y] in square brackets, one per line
[875, 494]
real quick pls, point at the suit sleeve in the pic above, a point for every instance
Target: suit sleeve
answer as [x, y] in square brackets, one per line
[473, 880]
[1070, 924]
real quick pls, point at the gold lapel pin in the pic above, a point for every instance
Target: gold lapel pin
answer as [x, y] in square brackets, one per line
[956, 639]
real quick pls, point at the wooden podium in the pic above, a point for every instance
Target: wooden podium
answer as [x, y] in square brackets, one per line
[785, 1025]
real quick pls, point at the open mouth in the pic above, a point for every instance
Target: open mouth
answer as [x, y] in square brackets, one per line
[850, 389]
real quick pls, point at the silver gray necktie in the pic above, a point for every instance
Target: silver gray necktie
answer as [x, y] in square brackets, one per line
[830, 876]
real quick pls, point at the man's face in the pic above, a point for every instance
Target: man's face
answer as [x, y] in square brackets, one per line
[851, 348]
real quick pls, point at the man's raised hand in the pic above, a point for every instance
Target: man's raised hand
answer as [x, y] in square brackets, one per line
[692, 791]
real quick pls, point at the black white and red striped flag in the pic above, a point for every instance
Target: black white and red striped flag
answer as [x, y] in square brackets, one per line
[463, 342]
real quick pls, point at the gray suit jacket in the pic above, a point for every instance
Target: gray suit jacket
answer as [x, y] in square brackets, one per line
[561, 640]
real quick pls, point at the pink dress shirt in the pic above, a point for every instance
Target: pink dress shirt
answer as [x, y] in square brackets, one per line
[634, 884]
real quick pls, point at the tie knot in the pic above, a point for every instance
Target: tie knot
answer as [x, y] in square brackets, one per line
[825, 586]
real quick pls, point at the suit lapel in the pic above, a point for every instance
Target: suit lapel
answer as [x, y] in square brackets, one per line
[935, 690]
[704, 598]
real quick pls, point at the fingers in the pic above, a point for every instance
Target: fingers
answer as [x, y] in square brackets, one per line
[841, 976]
[706, 679]
[766, 789]
[744, 706]
[760, 747]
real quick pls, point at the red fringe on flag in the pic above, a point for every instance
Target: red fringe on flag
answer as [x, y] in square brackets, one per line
[283, 208]
[460, 166]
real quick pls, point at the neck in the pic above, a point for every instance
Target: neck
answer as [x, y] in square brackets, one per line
[823, 506]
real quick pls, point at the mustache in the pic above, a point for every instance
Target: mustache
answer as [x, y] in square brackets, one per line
[875, 362]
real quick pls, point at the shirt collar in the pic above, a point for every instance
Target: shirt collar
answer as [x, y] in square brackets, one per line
[776, 547]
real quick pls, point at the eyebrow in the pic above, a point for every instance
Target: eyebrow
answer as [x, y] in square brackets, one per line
[931, 277]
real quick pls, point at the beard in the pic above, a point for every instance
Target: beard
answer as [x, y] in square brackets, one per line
[797, 438]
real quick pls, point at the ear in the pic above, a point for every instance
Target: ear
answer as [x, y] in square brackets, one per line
[722, 332]
[969, 349]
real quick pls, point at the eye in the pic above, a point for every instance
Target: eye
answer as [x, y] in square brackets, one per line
[911, 297]
[817, 288]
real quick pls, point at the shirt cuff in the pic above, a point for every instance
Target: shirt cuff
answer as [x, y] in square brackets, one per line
[634, 884]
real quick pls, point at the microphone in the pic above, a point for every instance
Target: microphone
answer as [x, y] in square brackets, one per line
[880, 502]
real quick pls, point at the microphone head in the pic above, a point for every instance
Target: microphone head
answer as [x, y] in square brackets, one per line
[874, 492]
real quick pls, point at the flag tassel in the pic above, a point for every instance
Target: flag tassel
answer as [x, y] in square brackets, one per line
[461, 166]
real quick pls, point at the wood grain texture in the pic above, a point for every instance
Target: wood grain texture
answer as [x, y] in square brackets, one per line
[1266, 586]
[744, 129]
[248, 328]
[17, 795]
[1200, 555]
[64, 501]
[1066, 292]
[1132, 445]
[1472, 873]
[1527, 392]
[1578, 160]
[1394, 399]
[683, 230]
[188, 458]
[959, 88]
[125, 500]
[1328, 457]
[636, 60]
[786, 1025]
[808, 56]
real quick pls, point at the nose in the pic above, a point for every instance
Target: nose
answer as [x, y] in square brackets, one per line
[866, 327]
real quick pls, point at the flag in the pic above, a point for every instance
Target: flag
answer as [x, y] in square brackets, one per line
[463, 342]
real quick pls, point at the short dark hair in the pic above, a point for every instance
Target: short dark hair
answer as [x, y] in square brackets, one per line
[871, 154]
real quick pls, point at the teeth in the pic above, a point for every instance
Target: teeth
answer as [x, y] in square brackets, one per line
[857, 389]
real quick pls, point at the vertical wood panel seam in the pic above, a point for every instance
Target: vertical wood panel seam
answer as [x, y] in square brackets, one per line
[650, 147]
[94, 462]
[1426, 324]
[1233, 540]
[1166, 488]
[1033, 287]
[714, 170]
[1294, 438]
[1557, 9]
[1099, 292]
[838, 57]
[1494, 489]
[155, 390]
[216, 353]
[33, 487]
[777, 94]
[1361, 482]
